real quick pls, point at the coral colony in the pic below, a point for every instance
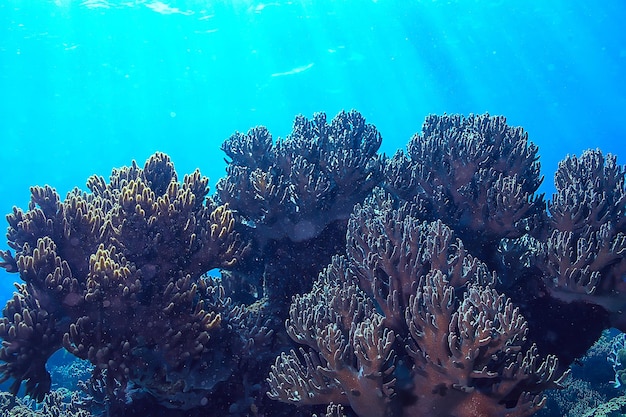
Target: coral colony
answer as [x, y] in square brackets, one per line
[323, 277]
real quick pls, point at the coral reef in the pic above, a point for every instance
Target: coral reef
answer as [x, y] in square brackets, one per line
[416, 318]
[476, 174]
[617, 358]
[615, 407]
[297, 186]
[435, 282]
[296, 194]
[480, 177]
[585, 253]
[408, 324]
[589, 384]
[115, 276]
[56, 403]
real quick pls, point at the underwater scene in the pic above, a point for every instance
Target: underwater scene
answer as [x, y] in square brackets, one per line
[360, 208]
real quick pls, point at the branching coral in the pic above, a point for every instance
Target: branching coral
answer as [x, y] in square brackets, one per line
[349, 360]
[585, 256]
[444, 287]
[445, 344]
[54, 404]
[476, 174]
[479, 177]
[299, 185]
[390, 250]
[296, 194]
[115, 277]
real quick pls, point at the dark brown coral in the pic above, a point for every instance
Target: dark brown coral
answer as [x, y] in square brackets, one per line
[295, 194]
[437, 297]
[585, 255]
[301, 184]
[115, 277]
[476, 174]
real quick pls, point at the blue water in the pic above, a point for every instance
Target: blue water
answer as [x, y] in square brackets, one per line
[88, 86]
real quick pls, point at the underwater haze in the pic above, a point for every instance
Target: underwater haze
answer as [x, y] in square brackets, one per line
[88, 86]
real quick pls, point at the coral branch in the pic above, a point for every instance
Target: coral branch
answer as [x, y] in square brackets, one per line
[585, 256]
[476, 174]
[462, 343]
[299, 185]
[115, 277]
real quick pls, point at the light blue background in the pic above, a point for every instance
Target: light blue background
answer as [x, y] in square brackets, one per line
[88, 86]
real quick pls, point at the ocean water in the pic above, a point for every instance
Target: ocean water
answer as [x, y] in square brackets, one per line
[86, 86]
